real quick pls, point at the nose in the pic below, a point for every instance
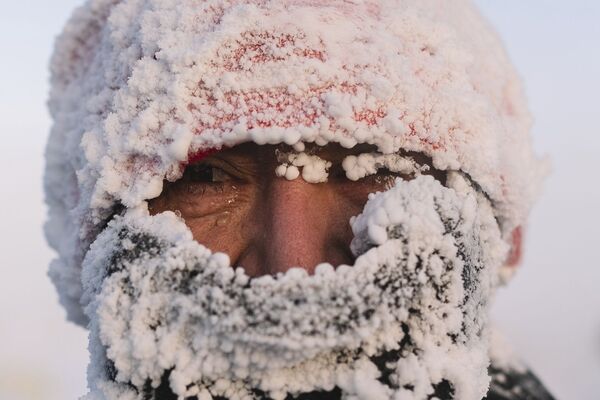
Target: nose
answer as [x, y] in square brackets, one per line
[302, 227]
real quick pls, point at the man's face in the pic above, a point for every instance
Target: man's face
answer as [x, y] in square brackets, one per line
[394, 300]
[234, 202]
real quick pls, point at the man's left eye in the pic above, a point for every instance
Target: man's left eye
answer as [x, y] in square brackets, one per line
[206, 173]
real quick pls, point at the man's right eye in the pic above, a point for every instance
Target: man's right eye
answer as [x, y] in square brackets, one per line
[205, 173]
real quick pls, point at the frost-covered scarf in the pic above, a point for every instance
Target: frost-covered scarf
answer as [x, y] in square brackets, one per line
[408, 320]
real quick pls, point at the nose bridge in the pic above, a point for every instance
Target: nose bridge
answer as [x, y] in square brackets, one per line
[296, 224]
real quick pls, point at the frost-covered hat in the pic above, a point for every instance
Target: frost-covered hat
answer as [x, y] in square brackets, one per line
[139, 87]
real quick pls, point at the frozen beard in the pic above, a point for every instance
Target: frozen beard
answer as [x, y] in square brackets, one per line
[407, 321]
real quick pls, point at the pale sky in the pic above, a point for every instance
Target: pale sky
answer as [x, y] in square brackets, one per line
[551, 312]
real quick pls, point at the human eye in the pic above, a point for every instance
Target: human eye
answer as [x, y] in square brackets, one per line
[208, 179]
[377, 168]
[206, 173]
[385, 178]
[379, 177]
[224, 182]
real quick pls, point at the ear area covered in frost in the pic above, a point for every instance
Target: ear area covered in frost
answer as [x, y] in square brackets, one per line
[168, 314]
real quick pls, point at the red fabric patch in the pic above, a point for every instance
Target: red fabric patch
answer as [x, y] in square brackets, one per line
[199, 155]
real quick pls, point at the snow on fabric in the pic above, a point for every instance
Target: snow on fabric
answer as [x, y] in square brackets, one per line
[139, 86]
[427, 259]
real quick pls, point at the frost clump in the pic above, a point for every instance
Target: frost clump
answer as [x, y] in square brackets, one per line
[359, 166]
[314, 168]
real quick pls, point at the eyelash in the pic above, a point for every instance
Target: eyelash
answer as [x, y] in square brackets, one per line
[206, 173]
[337, 172]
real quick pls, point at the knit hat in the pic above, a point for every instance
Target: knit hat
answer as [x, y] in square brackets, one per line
[140, 86]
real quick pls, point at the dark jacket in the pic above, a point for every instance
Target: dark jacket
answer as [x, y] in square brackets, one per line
[505, 385]
[513, 385]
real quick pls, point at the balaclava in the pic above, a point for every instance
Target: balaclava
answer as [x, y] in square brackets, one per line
[140, 88]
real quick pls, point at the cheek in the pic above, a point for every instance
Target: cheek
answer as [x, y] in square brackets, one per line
[221, 221]
[228, 230]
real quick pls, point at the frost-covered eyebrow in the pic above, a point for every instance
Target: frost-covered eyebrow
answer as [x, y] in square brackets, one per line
[251, 157]
[330, 152]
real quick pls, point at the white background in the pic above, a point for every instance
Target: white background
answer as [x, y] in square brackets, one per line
[551, 311]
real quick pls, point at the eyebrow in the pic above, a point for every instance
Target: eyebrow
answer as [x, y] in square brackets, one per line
[332, 152]
[336, 153]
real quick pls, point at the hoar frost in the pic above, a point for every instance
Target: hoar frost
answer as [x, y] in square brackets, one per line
[140, 86]
[427, 259]
[314, 169]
